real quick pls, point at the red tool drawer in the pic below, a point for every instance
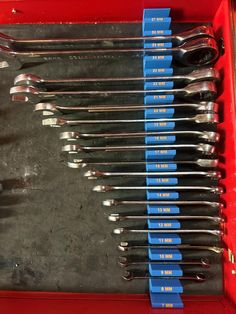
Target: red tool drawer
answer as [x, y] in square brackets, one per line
[221, 14]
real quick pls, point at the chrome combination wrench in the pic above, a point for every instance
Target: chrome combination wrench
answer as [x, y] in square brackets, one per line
[119, 217]
[127, 261]
[127, 246]
[207, 136]
[194, 52]
[203, 148]
[137, 274]
[199, 75]
[53, 108]
[82, 163]
[47, 43]
[201, 91]
[116, 202]
[110, 188]
[95, 174]
[209, 118]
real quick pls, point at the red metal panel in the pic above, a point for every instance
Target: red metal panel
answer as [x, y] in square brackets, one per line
[74, 303]
[87, 11]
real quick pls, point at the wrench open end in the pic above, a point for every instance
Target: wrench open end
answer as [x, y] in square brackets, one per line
[208, 163]
[54, 122]
[71, 148]
[119, 231]
[4, 64]
[108, 203]
[207, 118]
[25, 93]
[70, 136]
[92, 174]
[27, 79]
[101, 188]
[123, 246]
[76, 165]
[114, 217]
[128, 276]
[50, 107]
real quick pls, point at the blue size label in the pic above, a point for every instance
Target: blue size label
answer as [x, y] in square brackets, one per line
[161, 181]
[158, 99]
[156, 61]
[172, 209]
[163, 224]
[163, 12]
[161, 166]
[157, 45]
[164, 254]
[159, 126]
[153, 23]
[159, 85]
[166, 300]
[162, 195]
[165, 270]
[161, 139]
[160, 154]
[158, 72]
[164, 238]
[158, 32]
[159, 113]
[165, 286]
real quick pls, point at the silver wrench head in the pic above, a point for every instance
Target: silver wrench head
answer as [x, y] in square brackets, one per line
[207, 118]
[218, 190]
[114, 217]
[123, 261]
[101, 188]
[28, 94]
[123, 246]
[209, 106]
[27, 79]
[205, 262]
[205, 90]
[199, 31]
[208, 163]
[214, 174]
[76, 165]
[6, 40]
[54, 122]
[200, 277]
[210, 136]
[206, 148]
[109, 202]
[128, 276]
[50, 108]
[205, 74]
[71, 148]
[9, 58]
[92, 174]
[118, 230]
[198, 52]
[69, 136]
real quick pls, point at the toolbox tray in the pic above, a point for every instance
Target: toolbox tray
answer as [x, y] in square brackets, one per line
[25, 150]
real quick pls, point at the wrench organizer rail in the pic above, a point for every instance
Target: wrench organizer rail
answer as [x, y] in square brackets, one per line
[151, 138]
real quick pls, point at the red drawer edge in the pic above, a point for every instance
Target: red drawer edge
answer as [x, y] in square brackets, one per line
[45, 11]
[74, 303]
